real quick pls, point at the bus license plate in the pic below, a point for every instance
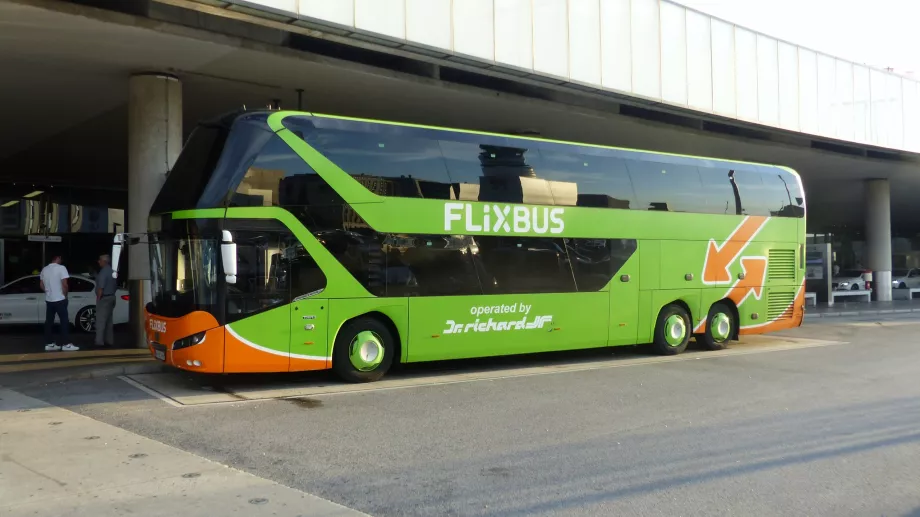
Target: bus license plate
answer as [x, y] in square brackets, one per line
[160, 354]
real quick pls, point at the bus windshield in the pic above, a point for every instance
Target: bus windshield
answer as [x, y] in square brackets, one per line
[183, 275]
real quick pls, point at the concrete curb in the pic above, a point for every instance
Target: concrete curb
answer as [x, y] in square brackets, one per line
[77, 373]
[874, 312]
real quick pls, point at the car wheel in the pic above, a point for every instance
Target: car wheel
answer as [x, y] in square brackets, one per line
[672, 330]
[902, 285]
[720, 327]
[85, 321]
[855, 287]
[363, 350]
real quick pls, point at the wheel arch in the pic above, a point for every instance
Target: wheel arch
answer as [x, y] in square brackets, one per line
[734, 308]
[385, 321]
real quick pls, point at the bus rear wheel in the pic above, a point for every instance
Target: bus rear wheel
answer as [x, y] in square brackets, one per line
[720, 327]
[363, 350]
[672, 330]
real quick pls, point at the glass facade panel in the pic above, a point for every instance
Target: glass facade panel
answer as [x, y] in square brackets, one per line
[808, 91]
[473, 28]
[746, 73]
[673, 53]
[337, 11]
[788, 86]
[616, 45]
[382, 16]
[827, 95]
[646, 49]
[724, 100]
[585, 41]
[551, 37]
[699, 61]
[514, 33]
[428, 22]
[844, 101]
[862, 121]
[895, 110]
[767, 80]
[911, 115]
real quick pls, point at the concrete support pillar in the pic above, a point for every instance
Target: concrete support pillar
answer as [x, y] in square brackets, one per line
[878, 236]
[154, 142]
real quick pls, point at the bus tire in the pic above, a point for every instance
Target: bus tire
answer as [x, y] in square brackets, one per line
[720, 327]
[672, 330]
[363, 350]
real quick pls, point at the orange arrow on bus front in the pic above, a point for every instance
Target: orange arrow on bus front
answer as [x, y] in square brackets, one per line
[755, 275]
[719, 258]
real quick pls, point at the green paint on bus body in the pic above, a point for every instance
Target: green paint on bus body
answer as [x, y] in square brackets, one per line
[667, 267]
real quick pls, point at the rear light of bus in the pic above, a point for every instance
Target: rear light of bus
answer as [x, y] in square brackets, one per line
[125, 297]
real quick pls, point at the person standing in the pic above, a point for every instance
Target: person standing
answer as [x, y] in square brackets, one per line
[53, 280]
[105, 302]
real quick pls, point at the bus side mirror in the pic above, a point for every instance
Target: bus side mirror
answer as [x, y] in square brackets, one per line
[116, 252]
[228, 256]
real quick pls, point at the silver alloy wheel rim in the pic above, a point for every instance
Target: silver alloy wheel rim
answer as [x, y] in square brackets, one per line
[88, 319]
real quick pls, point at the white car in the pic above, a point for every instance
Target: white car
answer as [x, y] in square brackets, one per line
[22, 301]
[905, 278]
[851, 280]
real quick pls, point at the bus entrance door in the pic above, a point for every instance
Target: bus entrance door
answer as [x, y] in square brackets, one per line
[309, 324]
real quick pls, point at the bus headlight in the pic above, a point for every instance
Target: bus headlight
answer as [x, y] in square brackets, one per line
[194, 339]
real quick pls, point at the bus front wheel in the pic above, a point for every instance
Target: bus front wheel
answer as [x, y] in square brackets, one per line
[363, 350]
[720, 327]
[672, 330]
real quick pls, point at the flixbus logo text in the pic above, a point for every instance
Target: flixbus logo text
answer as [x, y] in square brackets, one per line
[459, 217]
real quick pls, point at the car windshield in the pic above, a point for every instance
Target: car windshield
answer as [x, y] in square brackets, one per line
[183, 275]
[899, 272]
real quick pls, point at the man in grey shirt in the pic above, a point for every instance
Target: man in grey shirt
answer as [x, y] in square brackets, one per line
[105, 302]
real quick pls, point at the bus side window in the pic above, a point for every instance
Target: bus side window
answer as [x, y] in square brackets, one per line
[517, 265]
[666, 186]
[588, 180]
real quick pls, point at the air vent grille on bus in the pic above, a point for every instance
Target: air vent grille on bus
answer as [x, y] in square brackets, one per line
[781, 265]
[779, 305]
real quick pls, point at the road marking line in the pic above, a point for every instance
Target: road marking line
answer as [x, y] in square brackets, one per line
[289, 392]
[153, 393]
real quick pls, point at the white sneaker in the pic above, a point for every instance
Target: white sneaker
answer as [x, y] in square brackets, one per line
[70, 348]
[52, 348]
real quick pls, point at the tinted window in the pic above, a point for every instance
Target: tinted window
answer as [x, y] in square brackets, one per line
[491, 170]
[78, 285]
[279, 176]
[511, 265]
[385, 162]
[667, 186]
[429, 265]
[588, 180]
[721, 191]
[272, 268]
[26, 285]
[596, 261]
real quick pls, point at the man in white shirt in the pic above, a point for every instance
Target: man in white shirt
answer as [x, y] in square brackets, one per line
[54, 282]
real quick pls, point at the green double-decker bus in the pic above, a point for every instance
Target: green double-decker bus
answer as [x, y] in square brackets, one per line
[287, 241]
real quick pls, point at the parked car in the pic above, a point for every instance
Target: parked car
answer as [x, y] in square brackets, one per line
[22, 301]
[851, 280]
[905, 278]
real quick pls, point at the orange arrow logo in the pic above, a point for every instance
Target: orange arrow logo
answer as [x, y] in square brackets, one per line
[755, 275]
[719, 258]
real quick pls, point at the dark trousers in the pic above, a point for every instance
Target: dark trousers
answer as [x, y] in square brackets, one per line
[59, 309]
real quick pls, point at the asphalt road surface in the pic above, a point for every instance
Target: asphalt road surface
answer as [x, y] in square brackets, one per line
[827, 429]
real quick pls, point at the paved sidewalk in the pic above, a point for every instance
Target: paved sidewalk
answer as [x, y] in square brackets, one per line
[863, 309]
[54, 462]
